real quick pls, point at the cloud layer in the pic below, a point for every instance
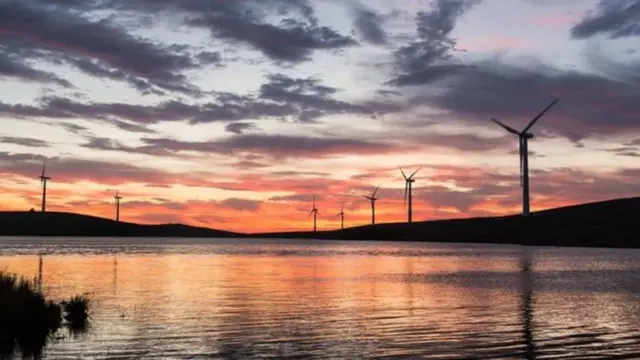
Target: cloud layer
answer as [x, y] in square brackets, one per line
[235, 113]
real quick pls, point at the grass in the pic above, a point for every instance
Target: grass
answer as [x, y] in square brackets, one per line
[28, 320]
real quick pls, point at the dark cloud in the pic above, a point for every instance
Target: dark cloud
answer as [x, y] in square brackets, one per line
[429, 57]
[277, 146]
[625, 151]
[55, 34]
[368, 24]
[591, 105]
[17, 68]
[549, 188]
[281, 97]
[241, 204]
[239, 127]
[613, 18]
[282, 30]
[29, 142]
[298, 173]
[72, 170]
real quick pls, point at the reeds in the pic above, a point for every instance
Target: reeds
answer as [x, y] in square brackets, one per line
[28, 320]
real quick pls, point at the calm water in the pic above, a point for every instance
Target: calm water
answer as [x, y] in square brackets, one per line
[235, 299]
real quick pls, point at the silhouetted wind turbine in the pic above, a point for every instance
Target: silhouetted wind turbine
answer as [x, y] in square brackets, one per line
[118, 197]
[43, 181]
[408, 181]
[373, 199]
[341, 214]
[314, 211]
[524, 137]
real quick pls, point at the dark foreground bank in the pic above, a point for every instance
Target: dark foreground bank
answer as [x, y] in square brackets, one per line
[28, 320]
[612, 223]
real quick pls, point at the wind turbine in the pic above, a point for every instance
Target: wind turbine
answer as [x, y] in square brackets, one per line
[341, 214]
[314, 211]
[373, 199]
[524, 137]
[408, 181]
[118, 197]
[43, 181]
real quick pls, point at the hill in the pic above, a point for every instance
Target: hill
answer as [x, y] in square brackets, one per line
[20, 223]
[612, 223]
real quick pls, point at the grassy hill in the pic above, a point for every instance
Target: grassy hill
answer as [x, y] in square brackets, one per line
[613, 223]
[20, 223]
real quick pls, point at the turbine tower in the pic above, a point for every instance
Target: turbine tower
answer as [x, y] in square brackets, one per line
[408, 190]
[341, 214]
[43, 181]
[118, 197]
[524, 137]
[314, 211]
[373, 199]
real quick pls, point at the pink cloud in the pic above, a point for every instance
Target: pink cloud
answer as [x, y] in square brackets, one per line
[554, 21]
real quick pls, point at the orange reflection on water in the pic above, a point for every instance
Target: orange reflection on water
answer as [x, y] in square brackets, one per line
[347, 303]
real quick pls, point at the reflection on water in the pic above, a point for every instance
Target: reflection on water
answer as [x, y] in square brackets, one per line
[288, 299]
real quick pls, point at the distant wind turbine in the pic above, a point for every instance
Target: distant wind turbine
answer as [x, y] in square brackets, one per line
[43, 181]
[314, 211]
[118, 198]
[341, 214]
[408, 190]
[373, 199]
[524, 137]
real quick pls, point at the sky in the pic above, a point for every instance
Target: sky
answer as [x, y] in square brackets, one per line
[234, 114]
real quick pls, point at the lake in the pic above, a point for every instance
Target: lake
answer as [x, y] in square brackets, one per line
[295, 299]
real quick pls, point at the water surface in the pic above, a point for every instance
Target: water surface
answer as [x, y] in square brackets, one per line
[231, 298]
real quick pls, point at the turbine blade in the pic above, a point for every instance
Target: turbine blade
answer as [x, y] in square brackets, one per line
[403, 174]
[314, 201]
[508, 128]
[44, 166]
[555, 101]
[367, 197]
[374, 192]
[415, 172]
[406, 189]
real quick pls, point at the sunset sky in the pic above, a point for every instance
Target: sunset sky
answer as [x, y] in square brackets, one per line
[233, 114]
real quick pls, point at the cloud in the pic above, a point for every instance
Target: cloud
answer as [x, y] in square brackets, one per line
[56, 35]
[591, 105]
[12, 67]
[368, 24]
[282, 30]
[71, 170]
[239, 127]
[281, 97]
[613, 18]
[277, 146]
[28, 142]
[429, 58]
[241, 204]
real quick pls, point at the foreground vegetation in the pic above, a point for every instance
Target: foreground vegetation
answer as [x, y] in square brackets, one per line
[28, 320]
